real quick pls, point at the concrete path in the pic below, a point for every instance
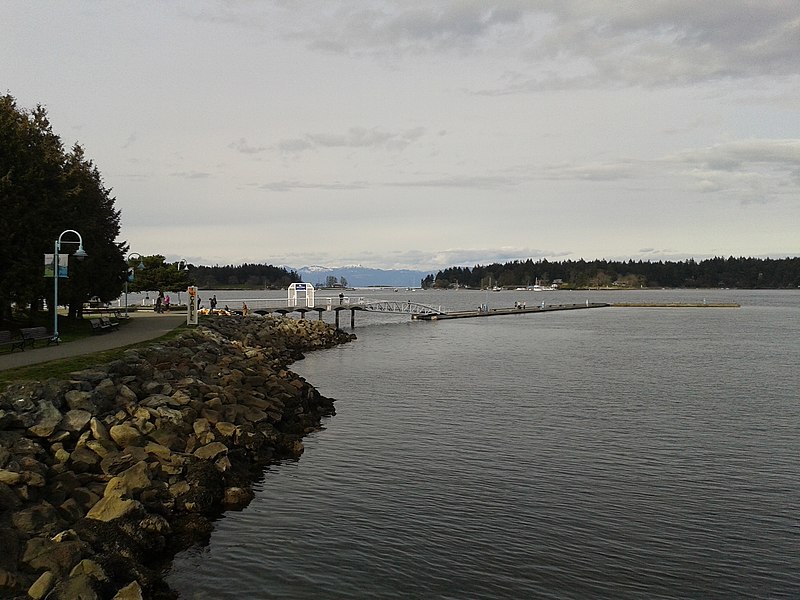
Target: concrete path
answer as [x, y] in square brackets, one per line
[143, 326]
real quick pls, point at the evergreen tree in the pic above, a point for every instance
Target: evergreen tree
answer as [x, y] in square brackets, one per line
[44, 192]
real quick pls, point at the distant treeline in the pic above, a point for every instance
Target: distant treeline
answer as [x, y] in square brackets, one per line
[246, 275]
[712, 273]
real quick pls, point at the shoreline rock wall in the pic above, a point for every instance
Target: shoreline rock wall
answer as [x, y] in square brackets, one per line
[106, 475]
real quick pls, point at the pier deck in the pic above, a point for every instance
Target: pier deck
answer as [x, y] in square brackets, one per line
[494, 312]
[421, 312]
[676, 305]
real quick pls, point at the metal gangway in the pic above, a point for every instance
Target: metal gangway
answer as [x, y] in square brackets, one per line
[395, 306]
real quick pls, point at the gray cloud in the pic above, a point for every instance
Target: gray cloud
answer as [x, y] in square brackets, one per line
[669, 42]
[242, 146]
[461, 181]
[572, 43]
[612, 171]
[130, 141]
[294, 145]
[753, 170]
[191, 174]
[355, 137]
[288, 186]
[756, 171]
[401, 27]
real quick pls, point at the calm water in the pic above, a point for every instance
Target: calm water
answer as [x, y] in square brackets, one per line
[608, 453]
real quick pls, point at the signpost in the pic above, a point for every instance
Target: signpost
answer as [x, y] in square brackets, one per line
[191, 308]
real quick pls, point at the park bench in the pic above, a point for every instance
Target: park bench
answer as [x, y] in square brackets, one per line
[97, 326]
[7, 340]
[109, 324]
[102, 325]
[117, 313]
[31, 335]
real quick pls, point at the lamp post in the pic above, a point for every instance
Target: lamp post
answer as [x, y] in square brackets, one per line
[129, 276]
[185, 264]
[80, 254]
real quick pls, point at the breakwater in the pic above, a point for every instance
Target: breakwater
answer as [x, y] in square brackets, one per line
[105, 475]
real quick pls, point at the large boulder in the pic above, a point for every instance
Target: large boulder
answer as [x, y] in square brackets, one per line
[126, 435]
[113, 507]
[75, 420]
[47, 419]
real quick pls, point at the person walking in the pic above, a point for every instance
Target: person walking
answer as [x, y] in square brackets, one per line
[160, 302]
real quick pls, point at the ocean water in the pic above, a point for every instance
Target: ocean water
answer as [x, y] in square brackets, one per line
[604, 453]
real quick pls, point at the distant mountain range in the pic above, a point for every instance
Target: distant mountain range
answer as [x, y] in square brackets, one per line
[358, 276]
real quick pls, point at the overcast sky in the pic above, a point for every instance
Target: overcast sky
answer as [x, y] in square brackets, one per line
[426, 134]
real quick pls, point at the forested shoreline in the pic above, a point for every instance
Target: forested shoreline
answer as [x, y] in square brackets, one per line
[718, 272]
[247, 275]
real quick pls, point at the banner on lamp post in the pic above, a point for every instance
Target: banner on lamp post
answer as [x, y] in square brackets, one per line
[63, 265]
[191, 308]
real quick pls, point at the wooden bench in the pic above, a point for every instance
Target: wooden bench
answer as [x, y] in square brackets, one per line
[30, 335]
[97, 326]
[109, 324]
[103, 325]
[117, 313]
[7, 340]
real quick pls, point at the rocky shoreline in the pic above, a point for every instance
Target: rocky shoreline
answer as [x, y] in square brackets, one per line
[106, 475]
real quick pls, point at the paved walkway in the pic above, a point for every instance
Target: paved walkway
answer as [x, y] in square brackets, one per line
[143, 326]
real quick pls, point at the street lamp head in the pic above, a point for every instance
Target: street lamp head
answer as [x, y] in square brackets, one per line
[80, 253]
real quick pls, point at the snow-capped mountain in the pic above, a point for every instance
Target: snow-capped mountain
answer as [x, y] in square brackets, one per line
[360, 276]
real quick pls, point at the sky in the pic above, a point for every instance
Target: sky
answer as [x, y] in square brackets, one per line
[426, 134]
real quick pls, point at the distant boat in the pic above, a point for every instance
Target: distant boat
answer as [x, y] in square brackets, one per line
[537, 287]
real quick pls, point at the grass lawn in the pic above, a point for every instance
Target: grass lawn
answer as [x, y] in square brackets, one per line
[74, 330]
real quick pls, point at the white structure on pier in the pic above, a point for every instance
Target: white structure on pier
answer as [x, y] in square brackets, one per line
[306, 291]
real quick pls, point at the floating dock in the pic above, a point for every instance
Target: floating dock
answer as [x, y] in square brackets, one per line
[676, 305]
[494, 312]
